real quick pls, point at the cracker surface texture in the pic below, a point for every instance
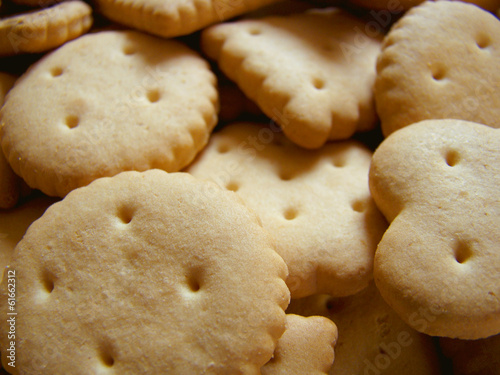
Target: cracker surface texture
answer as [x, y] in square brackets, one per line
[440, 61]
[438, 264]
[315, 203]
[105, 103]
[149, 273]
[311, 72]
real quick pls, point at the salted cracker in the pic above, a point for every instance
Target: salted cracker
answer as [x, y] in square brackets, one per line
[315, 203]
[311, 72]
[135, 102]
[436, 182]
[372, 338]
[41, 30]
[440, 61]
[306, 347]
[150, 272]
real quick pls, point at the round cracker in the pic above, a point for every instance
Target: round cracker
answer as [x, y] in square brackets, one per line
[105, 103]
[44, 29]
[440, 61]
[146, 273]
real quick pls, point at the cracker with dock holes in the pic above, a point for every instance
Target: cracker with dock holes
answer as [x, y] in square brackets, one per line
[105, 103]
[437, 182]
[315, 203]
[440, 60]
[311, 72]
[149, 273]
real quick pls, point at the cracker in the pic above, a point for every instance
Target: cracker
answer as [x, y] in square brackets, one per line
[44, 29]
[306, 347]
[136, 102]
[473, 357]
[440, 61]
[14, 223]
[372, 338]
[150, 273]
[310, 72]
[175, 17]
[9, 181]
[437, 184]
[315, 203]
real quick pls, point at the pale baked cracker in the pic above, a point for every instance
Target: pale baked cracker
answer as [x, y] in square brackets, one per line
[44, 29]
[149, 273]
[175, 17]
[306, 347]
[437, 184]
[136, 102]
[15, 221]
[372, 337]
[440, 61]
[473, 357]
[315, 203]
[310, 72]
[9, 181]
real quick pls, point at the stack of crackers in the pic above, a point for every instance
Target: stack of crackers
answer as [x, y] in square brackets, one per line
[250, 187]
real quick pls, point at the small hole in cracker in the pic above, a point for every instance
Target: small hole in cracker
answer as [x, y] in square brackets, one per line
[72, 121]
[125, 215]
[290, 214]
[193, 283]
[107, 359]
[318, 83]
[255, 31]
[153, 95]
[338, 162]
[462, 252]
[56, 72]
[358, 205]
[438, 73]
[483, 41]
[233, 186]
[48, 282]
[128, 50]
[222, 148]
[286, 176]
[452, 158]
